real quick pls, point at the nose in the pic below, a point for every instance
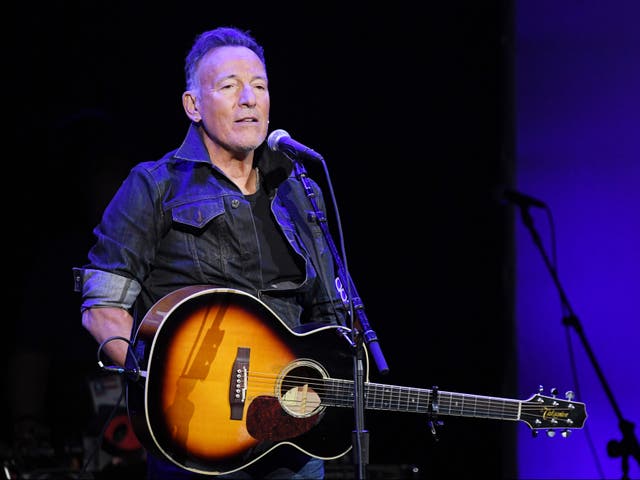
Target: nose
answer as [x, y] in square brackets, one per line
[247, 96]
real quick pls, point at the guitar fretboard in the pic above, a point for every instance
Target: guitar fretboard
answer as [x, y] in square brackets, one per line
[418, 400]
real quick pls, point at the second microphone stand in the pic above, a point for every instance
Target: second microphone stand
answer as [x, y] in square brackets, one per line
[628, 446]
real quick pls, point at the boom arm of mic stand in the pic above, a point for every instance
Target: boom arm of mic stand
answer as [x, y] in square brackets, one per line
[345, 285]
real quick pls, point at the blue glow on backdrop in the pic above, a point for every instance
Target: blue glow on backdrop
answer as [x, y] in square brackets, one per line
[578, 149]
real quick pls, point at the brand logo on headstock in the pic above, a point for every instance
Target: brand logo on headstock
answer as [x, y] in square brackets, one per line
[550, 413]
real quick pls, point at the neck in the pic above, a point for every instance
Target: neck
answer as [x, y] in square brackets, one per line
[239, 170]
[248, 182]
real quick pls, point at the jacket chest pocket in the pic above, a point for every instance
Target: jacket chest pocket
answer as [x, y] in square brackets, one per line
[219, 238]
[198, 214]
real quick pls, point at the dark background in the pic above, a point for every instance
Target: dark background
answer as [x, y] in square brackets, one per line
[411, 108]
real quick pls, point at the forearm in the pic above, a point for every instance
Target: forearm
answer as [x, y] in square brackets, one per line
[106, 322]
[106, 300]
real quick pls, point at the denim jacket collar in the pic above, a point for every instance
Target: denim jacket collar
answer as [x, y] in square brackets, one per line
[274, 167]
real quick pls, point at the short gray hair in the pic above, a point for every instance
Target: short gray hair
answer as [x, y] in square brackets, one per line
[218, 37]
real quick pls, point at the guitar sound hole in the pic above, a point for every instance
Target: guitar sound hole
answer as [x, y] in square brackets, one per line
[299, 388]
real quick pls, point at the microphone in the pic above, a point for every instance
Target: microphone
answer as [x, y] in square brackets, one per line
[280, 140]
[521, 199]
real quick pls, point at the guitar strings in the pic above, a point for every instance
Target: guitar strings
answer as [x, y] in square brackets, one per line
[336, 392]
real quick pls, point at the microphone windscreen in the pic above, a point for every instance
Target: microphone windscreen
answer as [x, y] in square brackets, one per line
[274, 138]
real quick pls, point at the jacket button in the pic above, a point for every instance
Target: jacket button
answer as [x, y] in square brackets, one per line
[235, 203]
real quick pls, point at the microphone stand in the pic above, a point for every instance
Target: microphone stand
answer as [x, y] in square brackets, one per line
[360, 331]
[629, 444]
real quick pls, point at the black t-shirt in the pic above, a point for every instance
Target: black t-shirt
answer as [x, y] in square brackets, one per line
[278, 261]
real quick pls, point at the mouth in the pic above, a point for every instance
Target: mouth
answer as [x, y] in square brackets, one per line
[247, 120]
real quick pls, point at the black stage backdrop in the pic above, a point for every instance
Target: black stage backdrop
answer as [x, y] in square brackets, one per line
[409, 105]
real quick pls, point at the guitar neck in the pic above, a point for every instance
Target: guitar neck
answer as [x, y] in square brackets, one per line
[419, 400]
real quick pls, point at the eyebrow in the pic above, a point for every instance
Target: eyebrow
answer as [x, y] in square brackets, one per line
[234, 76]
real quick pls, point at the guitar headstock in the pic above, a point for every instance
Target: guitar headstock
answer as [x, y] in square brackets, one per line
[552, 413]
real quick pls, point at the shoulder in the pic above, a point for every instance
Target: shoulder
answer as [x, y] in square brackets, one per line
[170, 168]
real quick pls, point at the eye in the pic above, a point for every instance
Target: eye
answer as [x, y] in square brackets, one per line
[228, 84]
[261, 85]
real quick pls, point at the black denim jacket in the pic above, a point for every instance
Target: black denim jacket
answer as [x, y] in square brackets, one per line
[180, 221]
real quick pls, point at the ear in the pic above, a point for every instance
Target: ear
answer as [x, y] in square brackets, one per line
[189, 103]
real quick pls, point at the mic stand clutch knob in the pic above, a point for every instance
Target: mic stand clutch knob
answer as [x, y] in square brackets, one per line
[432, 415]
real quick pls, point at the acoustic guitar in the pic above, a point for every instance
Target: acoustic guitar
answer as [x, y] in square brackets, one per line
[226, 382]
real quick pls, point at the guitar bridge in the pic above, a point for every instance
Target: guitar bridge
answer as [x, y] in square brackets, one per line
[238, 382]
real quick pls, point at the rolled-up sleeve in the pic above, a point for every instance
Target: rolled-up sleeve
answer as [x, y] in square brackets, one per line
[105, 289]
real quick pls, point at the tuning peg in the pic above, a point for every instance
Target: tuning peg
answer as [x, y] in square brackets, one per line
[534, 433]
[565, 433]
[551, 433]
[569, 395]
[554, 391]
[540, 389]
